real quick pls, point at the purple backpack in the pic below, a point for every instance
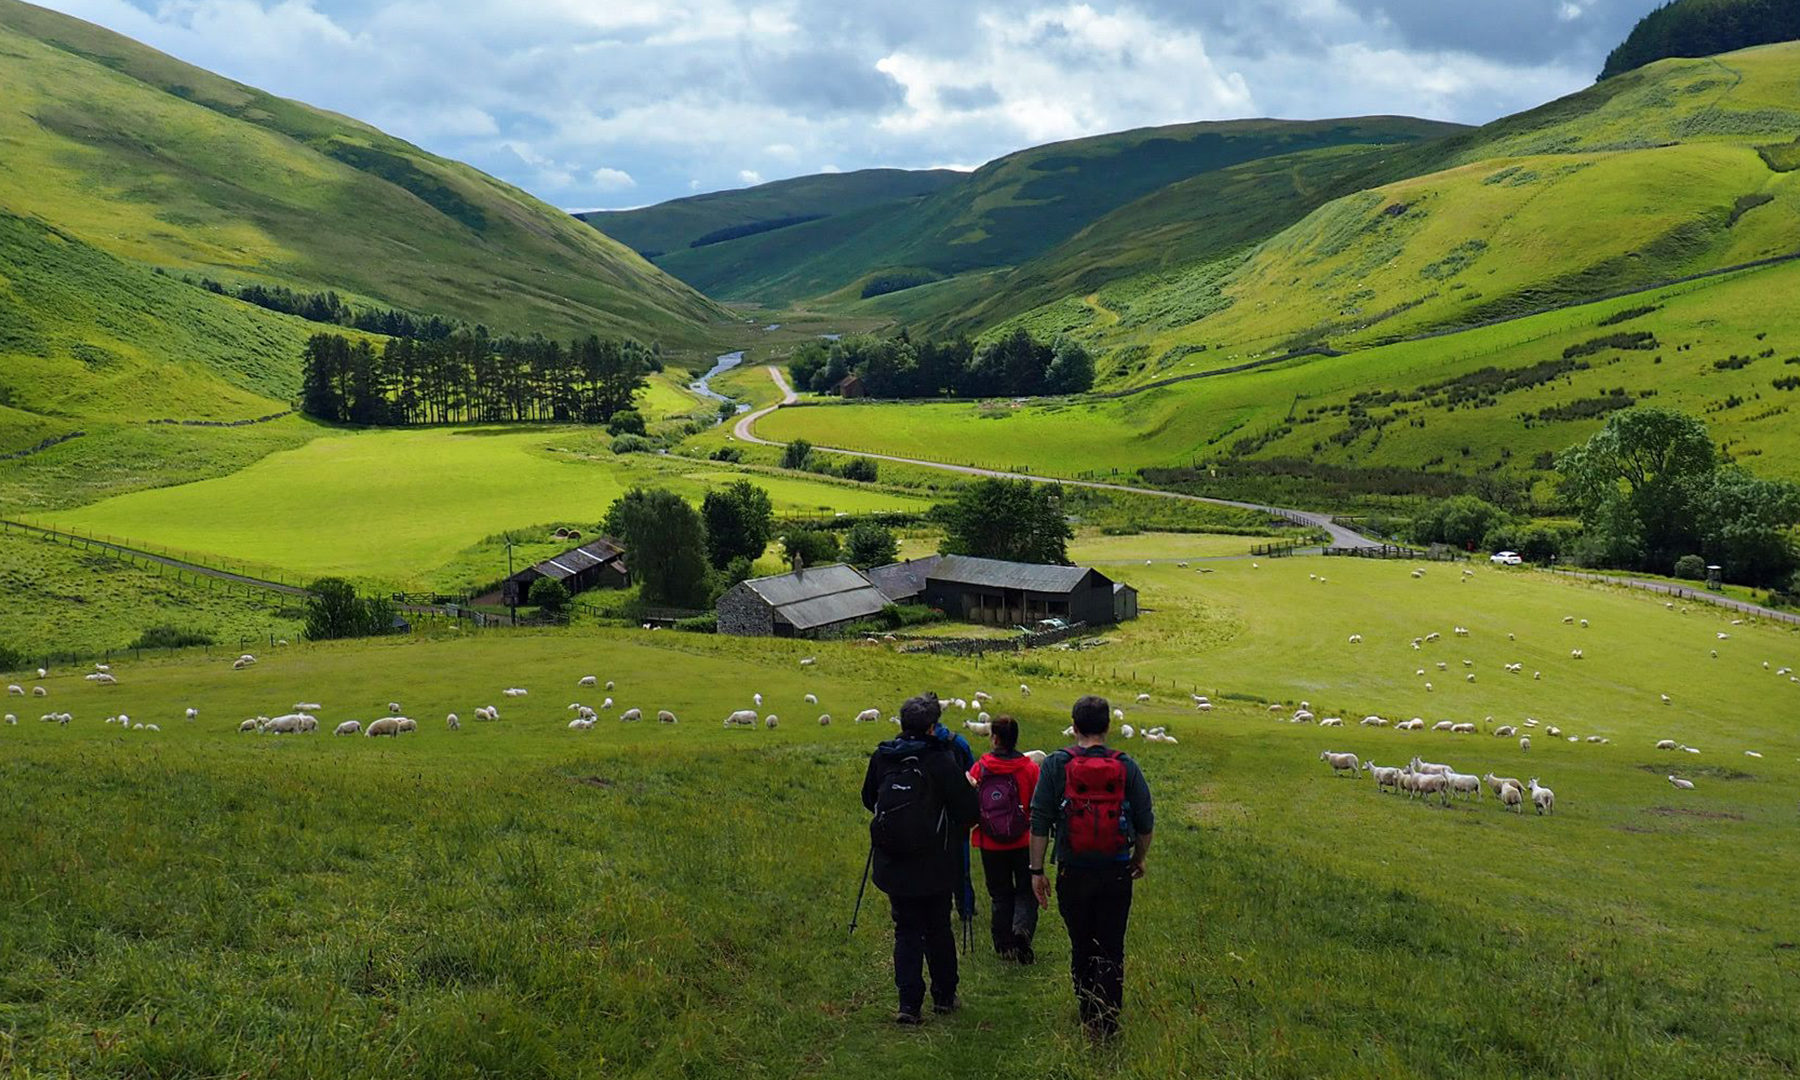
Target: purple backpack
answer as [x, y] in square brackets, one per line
[1002, 818]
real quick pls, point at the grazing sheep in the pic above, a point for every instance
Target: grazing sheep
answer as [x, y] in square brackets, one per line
[407, 723]
[348, 727]
[983, 695]
[1666, 700]
[1426, 784]
[978, 728]
[43, 673]
[1024, 691]
[580, 723]
[307, 706]
[1332, 721]
[1037, 756]
[1512, 796]
[1576, 654]
[193, 713]
[1462, 729]
[286, 724]
[240, 664]
[1356, 639]
[811, 699]
[609, 686]
[1525, 742]
[1301, 716]
[744, 718]
[1584, 623]
[1752, 753]
[587, 680]
[824, 719]
[1685, 785]
[394, 708]
[1118, 716]
[1599, 739]
[631, 716]
[1342, 763]
[868, 716]
[452, 722]
[248, 725]
[1665, 744]
[11, 719]
[757, 698]
[1568, 619]
[1553, 731]
[1143, 699]
[1542, 797]
[1128, 731]
[1372, 721]
[771, 721]
[387, 725]
[809, 661]
[1415, 724]
[664, 716]
[514, 691]
[1443, 725]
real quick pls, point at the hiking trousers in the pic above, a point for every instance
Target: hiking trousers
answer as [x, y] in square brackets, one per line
[922, 936]
[1015, 914]
[1095, 904]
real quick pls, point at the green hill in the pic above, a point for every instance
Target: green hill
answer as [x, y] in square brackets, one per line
[1004, 213]
[152, 160]
[1684, 28]
[704, 220]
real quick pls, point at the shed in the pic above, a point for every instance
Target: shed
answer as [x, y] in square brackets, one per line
[851, 386]
[596, 564]
[1001, 593]
[805, 603]
[902, 582]
[1125, 602]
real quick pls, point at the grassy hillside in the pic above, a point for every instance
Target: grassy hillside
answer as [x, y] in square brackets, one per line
[1703, 28]
[673, 226]
[1008, 210]
[162, 163]
[518, 898]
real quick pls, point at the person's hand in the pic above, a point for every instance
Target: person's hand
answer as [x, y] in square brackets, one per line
[1137, 870]
[1040, 887]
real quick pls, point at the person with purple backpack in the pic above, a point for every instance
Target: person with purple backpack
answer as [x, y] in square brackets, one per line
[1004, 782]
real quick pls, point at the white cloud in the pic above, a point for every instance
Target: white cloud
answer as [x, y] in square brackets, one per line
[612, 179]
[750, 176]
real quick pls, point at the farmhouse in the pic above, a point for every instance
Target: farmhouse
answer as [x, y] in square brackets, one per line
[851, 386]
[1020, 594]
[805, 603]
[599, 564]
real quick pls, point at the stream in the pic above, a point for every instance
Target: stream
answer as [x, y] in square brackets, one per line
[703, 385]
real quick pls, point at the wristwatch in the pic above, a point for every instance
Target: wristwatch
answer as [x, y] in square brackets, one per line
[1035, 871]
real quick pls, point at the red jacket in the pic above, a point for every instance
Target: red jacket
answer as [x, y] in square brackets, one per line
[1024, 772]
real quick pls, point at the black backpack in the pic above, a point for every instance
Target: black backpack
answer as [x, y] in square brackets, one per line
[909, 816]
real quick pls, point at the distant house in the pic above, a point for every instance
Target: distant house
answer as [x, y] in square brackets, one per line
[805, 603]
[1002, 593]
[851, 386]
[599, 564]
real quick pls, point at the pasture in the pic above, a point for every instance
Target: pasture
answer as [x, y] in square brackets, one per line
[516, 898]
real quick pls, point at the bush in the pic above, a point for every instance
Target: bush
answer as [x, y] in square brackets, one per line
[861, 470]
[11, 659]
[795, 454]
[1690, 568]
[727, 409]
[171, 637]
[626, 422]
[633, 444]
[728, 453]
[335, 611]
[549, 595]
[699, 624]
[1462, 521]
[814, 547]
[869, 544]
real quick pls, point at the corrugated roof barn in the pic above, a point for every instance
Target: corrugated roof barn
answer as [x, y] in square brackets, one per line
[903, 581]
[596, 563]
[1002, 593]
[801, 604]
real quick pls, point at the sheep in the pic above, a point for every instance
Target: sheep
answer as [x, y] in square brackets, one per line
[1441, 666]
[1429, 768]
[580, 724]
[1415, 724]
[1724, 636]
[43, 673]
[757, 698]
[486, 712]
[1553, 731]
[824, 719]
[607, 704]
[1568, 620]
[1576, 654]
[407, 723]
[1301, 716]
[1495, 783]
[771, 721]
[1584, 623]
[1372, 721]
[747, 718]
[1684, 748]
[1665, 744]
[1542, 797]
[809, 661]
[1118, 716]
[1752, 753]
[1666, 700]
[514, 691]
[240, 664]
[664, 716]
[587, 680]
[137, 727]
[1462, 729]
[193, 713]
[1464, 784]
[983, 717]
[1505, 731]
[1342, 763]
[1433, 636]
[976, 727]
[1425, 784]
[609, 686]
[307, 706]
[1461, 631]
[387, 725]
[1443, 725]
[1385, 776]
[394, 708]
[1684, 785]
[1511, 796]
[631, 716]
[1332, 721]
[1516, 669]
[1418, 574]
[1204, 706]
[1599, 739]
[285, 724]
[1129, 732]
[811, 699]
[248, 725]
[1024, 691]
[1037, 756]
[38, 691]
[983, 695]
[452, 722]
[1525, 742]
[1428, 688]
[348, 727]
[1356, 639]
[11, 719]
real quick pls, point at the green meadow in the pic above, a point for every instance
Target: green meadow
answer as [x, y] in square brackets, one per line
[517, 898]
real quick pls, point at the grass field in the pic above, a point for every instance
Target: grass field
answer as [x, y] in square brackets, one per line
[394, 506]
[516, 898]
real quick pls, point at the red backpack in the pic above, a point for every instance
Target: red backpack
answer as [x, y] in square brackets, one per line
[1094, 803]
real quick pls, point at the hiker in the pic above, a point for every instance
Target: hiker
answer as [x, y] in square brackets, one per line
[923, 808]
[1098, 803]
[965, 760]
[1004, 780]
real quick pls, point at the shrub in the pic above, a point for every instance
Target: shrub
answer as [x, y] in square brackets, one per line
[1690, 568]
[548, 594]
[814, 547]
[626, 422]
[335, 611]
[632, 444]
[727, 409]
[700, 624]
[171, 637]
[11, 659]
[728, 453]
[795, 455]
[861, 470]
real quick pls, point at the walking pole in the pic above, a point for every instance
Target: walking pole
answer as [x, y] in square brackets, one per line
[856, 911]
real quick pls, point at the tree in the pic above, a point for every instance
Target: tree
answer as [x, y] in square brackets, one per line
[1462, 521]
[549, 595]
[862, 470]
[1690, 568]
[1747, 525]
[1635, 483]
[665, 541]
[740, 520]
[626, 422]
[811, 546]
[1007, 519]
[1071, 369]
[335, 611]
[794, 455]
[868, 544]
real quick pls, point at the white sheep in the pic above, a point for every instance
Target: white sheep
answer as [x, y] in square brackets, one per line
[407, 723]
[11, 719]
[1024, 691]
[983, 695]
[1512, 796]
[394, 708]
[588, 680]
[607, 704]
[771, 721]
[1037, 756]
[1342, 763]
[746, 718]
[307, 706]
[240, 664]
[452, 722]
[811, 699]
[1553, 731]
[609, 686]
[824, 719]
[631, 716]
[1332, 721]
[1443, 725]
[1372, 721]
[348, 727]
[1301, 716]
[1462, 729]
[580, 723]
[976, 727]
[1525, 742]
[1415, 724]
[1542, 797]
[1356, 639]
[285, 724]
[1665, 744]
[1386, 776]
[248, 725]
[868, 716]
[1118, 716]
[1464, 784]
[1685, 785]
[1429, 767]
[1752, 753]
[664, 716]
[1425, 784]
[1143, 699]
[38, 691]
[514, 691]
[387, 725]
[1495, 783]
[1505, 731]
[193, 713]
[43, 673]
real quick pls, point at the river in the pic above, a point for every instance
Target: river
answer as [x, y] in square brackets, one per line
[703, 385]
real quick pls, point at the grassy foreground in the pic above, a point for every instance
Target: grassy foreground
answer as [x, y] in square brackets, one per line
[517, 899]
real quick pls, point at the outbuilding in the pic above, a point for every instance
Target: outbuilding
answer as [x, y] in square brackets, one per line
[598, 564]
[806, 603]
[1000, 593]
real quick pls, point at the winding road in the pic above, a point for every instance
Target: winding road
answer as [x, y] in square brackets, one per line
[1341, 536]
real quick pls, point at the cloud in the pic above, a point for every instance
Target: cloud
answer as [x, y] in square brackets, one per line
[666, 92]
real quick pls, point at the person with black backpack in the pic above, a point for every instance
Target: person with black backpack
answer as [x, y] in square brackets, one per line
[1098, 803]
[923, 807]
[1004, 780]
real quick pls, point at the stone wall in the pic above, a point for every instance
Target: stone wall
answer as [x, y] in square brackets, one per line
[745, 614]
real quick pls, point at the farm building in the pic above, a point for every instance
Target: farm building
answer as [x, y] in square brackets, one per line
[1021, 594]
[903, 582]
[599, 564]
[851, 386]
[805, 603]
[1125, 602]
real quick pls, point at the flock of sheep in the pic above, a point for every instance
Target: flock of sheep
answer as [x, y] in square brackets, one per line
[1419, 779]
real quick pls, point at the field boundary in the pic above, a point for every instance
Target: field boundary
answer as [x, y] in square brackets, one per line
[1683, 592]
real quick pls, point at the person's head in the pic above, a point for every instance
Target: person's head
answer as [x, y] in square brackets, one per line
[1092, 715]
[1004, 730]
[919, 715]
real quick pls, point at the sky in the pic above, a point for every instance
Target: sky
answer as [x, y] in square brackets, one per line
[593, 104]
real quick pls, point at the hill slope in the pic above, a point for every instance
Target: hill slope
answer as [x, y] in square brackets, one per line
[701, 220]
[154, 160]
[1007, 211]
[1703, 28]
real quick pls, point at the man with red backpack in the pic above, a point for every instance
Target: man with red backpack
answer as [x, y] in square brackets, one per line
[1004, 780]
[1098, 803]
[923, 807]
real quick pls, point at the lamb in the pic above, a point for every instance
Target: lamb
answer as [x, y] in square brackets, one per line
[38, 691]
[664, 716]
[193, 714]
[811, 699]
[1525, 742]
[1685, 785]
[757, 698]
[1385, 776]
[771, 721]
[452, 722]
[1512, 796]
[1372, 721]
[1665, 744]
[348, 727]
[387, 725]
[609, 686]
[868, 716]
[1342, 763]
[824, 719]
[746, 718]
[1464, 784]
[607, 704]
[407, 723]
[248, 725]
[631, 716]
[587, 680]
[514, 691]
[1332, 721]
[394, 708]
[1542, 797]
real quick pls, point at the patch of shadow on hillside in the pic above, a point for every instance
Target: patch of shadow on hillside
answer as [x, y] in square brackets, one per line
[591, 781]
[1713, 772]
[1683, 811]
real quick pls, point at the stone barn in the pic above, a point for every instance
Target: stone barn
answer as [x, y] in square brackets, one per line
[1000, 593]
[805, 603]
[599, 564]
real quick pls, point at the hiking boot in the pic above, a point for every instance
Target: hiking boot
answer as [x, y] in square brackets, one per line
[945, 1007]
[1006, 952]
[906, 1018]
[1024, 954]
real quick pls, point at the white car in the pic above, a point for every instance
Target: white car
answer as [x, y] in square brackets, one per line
[1505, 558]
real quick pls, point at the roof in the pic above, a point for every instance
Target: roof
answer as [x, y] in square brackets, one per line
[1120, 586]
[820, 596]
[575, 560]
[997, 574]
[904, 580]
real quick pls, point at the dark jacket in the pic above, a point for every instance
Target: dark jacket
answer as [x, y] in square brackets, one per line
[937, 871]
[1046, 805]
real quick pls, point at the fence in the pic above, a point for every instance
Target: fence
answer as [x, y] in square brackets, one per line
[1395, 551]
[1280, 549]
[1683, 592]
[981, 646]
